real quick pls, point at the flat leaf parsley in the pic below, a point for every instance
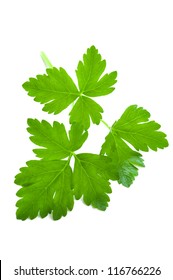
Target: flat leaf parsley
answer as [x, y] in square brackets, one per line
[51, 184]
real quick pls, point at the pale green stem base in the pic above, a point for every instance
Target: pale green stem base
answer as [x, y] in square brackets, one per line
[46, 61]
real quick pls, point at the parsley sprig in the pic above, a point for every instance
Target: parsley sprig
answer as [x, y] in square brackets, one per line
[51, 184]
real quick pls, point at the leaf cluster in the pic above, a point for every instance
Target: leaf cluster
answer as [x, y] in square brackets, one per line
[50, 185]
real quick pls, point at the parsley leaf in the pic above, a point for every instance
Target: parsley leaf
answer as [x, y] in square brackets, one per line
[91, 180]
[50, 185]
[57, 90]
[47, 185]
[46, 188]
[84, 109]
[125, 160]
[89, 72]
[54, 139]
[134, 127]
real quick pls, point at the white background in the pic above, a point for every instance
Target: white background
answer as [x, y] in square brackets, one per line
[135, 37]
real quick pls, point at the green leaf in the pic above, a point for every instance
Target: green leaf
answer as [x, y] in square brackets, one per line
[91, 180]
[54, 139]
[56, 90]
[134, 127]
[77, 136]
[125, 161]
[84, 109]
[48, 185]
[89, 73]
[46, 188]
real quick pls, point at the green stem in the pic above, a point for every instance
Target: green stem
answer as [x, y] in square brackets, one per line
[106, 124]
[46, 61]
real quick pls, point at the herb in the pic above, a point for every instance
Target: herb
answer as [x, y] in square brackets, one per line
[57, 90]
[50, 185]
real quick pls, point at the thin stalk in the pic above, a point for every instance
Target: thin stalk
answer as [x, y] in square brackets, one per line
[46, 61]
[106, 124]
